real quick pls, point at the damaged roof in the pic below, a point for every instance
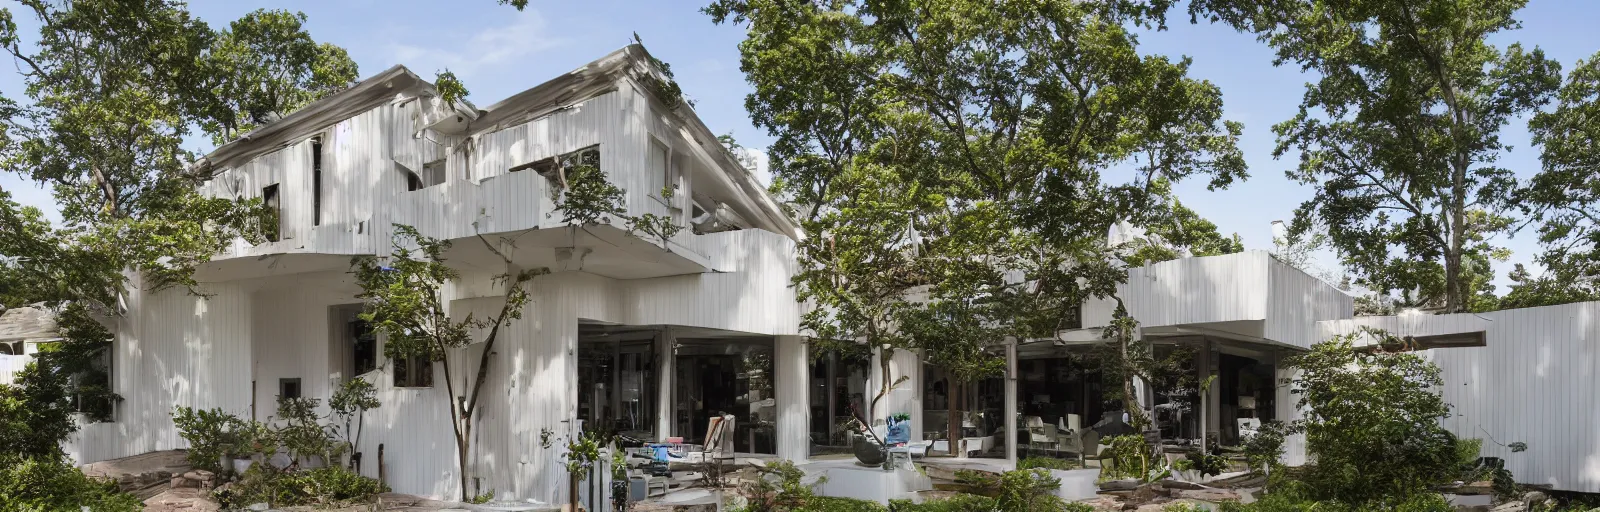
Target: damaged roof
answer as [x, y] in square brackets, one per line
[631, 62]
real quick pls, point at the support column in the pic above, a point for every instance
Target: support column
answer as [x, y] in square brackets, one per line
[667, 366]
[1011, 400]
[790, 369]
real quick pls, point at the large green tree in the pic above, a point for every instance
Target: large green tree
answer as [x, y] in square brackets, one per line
[1400, 132]
[112, 89]
[958, 162]
[1565, 194]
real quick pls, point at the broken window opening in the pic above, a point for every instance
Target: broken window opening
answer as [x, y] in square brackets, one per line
[364, 350]
[555, 169]
[272, 226]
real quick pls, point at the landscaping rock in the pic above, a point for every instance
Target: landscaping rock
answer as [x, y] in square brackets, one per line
[1126, 484]
[179, 482]
[185, 500]
[1211, 495]
[1512, 506]
[1535, 497]
[1180, 484]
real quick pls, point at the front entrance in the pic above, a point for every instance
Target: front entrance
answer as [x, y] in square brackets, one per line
[617, 386]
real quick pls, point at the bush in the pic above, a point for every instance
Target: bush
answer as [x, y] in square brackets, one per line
[778, 489]
[1296, 499]
[1208, 464]
[46, 483]
[1263, 452]
[1130, 458]
[332, 485]
[211, 433]
[1373, 425]
[1047, 463]
[957, 503]
[831, 504]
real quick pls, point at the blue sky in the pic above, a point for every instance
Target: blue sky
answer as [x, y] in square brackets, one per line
[498, 51]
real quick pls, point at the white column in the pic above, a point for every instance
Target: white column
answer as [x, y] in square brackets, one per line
[1288, 409]
[790, 369]
[667, 366]
[1011, 400]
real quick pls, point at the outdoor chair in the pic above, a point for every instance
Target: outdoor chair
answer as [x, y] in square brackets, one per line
[1094, 454]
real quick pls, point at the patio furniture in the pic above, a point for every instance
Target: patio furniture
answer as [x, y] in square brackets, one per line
[1040, 434]
[1248, 427]
[719, 439]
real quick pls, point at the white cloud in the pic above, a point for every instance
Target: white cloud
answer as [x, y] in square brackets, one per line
[425, 52]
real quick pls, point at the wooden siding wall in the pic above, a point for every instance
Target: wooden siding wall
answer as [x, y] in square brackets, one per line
[1534, 383]
[1297, 301]
[172, 349]
[10, 365]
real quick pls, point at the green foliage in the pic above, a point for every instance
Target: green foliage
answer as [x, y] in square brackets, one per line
[354, 397]
[35, 413]
[950, 151]
[518, 4]
[450, 88]
[779, 489]
[404, 299]
[1263, 452]
[265, 66]
[323, 487]
[1021, 490]
[212, 434]
[1047, 463]
[481, 498]
[301, 432]
[1293, 498]
[1400, 131]
[43, 483]
[957, 503]
[1206, 463]
[1130, 457]
[1184, 507]
[583, 452]
[1565, 193]
[113, 89]
[833, 504]
[1374, 424]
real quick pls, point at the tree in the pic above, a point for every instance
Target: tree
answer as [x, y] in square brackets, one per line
[1400, 132]
[405, 300]
[1549, 289]
[1565, 193]
[964, 151]
[263, 67]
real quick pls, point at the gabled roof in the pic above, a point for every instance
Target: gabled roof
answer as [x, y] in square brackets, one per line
[631, 63]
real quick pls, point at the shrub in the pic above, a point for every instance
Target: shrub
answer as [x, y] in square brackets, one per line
[1208, 464]
[1130, 458]
[1047, 463]
[1263, 452]
[211, 433]
[957, 503]
[1296, 499]
[778, 489]
[324, 486]
[831, 504]
[49, 483]
[1373, 425]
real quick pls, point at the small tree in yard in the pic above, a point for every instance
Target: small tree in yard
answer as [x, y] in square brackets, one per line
[405, 300]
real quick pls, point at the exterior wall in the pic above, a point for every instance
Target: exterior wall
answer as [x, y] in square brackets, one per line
[1297, 301]
[1534, 383]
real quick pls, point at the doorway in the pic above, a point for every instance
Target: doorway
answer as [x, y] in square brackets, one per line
[722, 376]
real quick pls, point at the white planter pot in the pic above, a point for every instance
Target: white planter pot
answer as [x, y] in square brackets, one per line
[1077, 484]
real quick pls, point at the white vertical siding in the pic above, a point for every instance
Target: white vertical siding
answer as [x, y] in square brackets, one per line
[1533, 383]
[1199, 290]
[1297, 301]
[10, 365]
[791, 379]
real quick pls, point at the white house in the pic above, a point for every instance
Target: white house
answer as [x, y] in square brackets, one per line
[643, 338]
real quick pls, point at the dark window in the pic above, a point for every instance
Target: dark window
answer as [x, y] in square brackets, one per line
[365, 349]
[272, 225]
[288, 388]
[1073, 317]
[316, 181]
[413, 372]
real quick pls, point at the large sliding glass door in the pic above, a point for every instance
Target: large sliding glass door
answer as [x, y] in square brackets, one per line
[837, 389]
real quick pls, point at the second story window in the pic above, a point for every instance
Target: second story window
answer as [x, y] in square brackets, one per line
[272, 225]
[316, 181]
[555, 169]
